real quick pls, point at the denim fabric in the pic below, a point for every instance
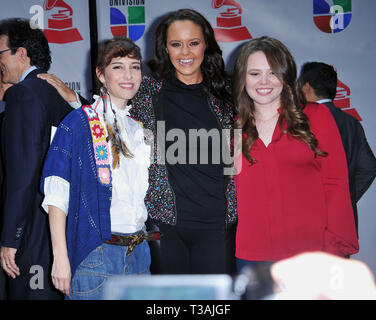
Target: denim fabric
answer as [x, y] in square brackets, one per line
[103, 262]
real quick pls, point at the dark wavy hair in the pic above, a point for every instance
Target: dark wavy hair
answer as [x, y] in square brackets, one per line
[113, 48]
[212, 67]
[292, 99]
[21, 35]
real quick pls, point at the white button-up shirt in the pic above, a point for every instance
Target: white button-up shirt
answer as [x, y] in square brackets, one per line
[129, 180]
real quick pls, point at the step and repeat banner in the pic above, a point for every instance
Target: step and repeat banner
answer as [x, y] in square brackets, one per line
[67, 28]
[337, 32]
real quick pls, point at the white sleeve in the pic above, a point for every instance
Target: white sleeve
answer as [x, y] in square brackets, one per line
[56, 190]
[76, 104]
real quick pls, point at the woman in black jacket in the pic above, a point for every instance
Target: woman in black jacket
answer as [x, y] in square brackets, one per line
[190, 199]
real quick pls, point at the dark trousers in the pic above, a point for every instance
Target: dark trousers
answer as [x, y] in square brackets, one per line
[197, 251]
[35, 282]
[3, 295]
[34, 259]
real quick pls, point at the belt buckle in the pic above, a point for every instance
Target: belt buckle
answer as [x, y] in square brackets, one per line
[134, 241]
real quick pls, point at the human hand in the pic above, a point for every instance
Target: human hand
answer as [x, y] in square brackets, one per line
[8, 261]
[318, 275]
[61, 274]
[3, 87]
[67, 94]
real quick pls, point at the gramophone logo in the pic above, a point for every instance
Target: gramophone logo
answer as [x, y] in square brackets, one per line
[332, 16]
[342, 100]
[229, 22]
[60, 23]
[133, 27]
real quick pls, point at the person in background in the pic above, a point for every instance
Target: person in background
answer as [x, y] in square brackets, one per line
[3, 88]
[33, 107]
[292, 189]
[95, 178]
[318, 81]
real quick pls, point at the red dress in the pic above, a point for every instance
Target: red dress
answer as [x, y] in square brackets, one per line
[290, 202]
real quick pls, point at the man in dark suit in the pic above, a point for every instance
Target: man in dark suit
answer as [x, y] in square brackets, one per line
[319, 83]
[3, 88]
[33, 107]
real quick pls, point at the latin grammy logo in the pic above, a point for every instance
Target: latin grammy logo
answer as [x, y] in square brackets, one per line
[229, 23]
[342, 100]
[60, 25]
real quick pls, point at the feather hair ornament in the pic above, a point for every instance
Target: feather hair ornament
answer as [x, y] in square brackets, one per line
[117, 145]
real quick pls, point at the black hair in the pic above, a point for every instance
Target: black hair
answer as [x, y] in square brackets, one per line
[21, 35]
[321, 77]
[212, 67]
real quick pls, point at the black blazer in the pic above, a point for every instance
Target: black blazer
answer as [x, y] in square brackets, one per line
[361, 161]
[32, 107]
[1, 175]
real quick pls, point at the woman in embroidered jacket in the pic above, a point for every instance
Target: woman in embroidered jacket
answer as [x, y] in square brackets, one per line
[95, 179]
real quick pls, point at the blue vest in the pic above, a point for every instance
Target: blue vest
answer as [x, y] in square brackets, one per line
[72, 157]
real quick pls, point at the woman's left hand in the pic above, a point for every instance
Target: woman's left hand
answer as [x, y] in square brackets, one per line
[61, 274]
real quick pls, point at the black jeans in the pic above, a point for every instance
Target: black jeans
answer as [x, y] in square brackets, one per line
[186, 250]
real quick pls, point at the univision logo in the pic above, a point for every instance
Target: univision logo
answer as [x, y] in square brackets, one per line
[133, 27]
[332, 16]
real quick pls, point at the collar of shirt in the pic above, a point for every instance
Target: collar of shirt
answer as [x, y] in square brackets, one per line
[24, 75]
[324, 100]
[98, 106]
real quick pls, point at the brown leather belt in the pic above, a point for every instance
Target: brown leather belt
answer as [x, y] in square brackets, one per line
[133, 240]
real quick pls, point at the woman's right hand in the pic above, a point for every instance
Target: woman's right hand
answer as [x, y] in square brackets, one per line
[61, 274]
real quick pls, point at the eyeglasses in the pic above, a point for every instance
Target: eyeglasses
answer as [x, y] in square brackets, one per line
[2, 51]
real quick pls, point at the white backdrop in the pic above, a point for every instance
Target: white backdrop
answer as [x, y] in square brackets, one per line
[350, 47]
